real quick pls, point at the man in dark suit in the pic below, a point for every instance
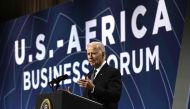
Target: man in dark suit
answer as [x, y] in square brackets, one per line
[103, 83]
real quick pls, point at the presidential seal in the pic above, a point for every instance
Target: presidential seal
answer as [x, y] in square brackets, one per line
[45, 104]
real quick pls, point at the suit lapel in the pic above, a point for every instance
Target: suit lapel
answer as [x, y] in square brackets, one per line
[101, 73]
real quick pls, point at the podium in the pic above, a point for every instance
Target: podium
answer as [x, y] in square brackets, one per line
[65, 100]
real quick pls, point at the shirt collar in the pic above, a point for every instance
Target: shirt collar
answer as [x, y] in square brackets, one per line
[99, 68]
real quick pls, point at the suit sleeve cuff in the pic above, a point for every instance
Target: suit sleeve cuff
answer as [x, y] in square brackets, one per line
[92, 91]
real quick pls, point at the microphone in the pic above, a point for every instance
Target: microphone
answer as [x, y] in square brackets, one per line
[57, 80]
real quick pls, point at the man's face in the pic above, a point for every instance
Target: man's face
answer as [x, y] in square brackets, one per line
[95, 56]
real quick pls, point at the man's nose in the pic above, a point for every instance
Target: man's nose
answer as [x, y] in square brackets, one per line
[90, 55]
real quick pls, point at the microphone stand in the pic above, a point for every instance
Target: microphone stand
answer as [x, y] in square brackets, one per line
[54, 87]
[57, 86]
[56, 82]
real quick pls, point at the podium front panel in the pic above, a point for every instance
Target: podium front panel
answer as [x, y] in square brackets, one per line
[65, 100]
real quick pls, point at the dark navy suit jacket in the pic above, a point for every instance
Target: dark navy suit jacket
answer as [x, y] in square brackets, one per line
[107, 89]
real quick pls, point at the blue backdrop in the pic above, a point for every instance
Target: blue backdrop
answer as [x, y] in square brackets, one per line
[38, 47]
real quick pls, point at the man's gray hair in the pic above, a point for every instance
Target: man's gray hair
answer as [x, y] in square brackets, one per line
[99, 46]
